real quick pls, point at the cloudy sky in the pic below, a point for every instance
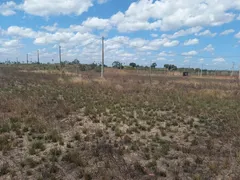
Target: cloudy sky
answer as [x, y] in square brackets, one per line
[181, 32]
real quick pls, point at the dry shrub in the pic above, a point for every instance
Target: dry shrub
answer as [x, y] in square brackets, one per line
[213, 92]
[119, 87]
[60, 80]
[78, 80]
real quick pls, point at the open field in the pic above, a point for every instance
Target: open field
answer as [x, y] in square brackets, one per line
[63, 125]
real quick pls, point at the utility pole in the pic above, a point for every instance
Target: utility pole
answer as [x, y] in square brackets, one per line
[232, 68]
[201, 70]
[60, 55]
[102, 68]
[239, 74]
[27, 58]
[38, 57]
[150, 67]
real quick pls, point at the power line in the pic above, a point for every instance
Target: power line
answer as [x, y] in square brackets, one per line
[207, 57]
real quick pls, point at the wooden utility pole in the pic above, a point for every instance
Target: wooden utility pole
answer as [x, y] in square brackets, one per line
[232, 68]
[239, 74]
[102, 68]
[38, 57]
[60, 55]
[27, 58]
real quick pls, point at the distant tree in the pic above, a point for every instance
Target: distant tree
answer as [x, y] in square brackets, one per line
[154, 65]
[117, 64]
[170, 67]
[174, 68]
[197, 69]
[75, 61]
[133, 64]
[166, 66]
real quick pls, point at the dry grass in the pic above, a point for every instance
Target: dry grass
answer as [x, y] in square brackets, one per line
[129, 126]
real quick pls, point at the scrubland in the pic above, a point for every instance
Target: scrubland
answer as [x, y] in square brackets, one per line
[68, 125]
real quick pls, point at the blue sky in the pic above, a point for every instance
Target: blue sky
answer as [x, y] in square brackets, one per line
[181, 32]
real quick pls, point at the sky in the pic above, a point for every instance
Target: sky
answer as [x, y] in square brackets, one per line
[186, 33]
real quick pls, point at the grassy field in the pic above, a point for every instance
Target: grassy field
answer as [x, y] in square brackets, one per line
[62, 125]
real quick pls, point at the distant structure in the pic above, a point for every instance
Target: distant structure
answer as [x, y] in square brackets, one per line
[185, 74]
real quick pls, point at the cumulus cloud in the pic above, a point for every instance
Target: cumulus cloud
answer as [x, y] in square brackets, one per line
[237, 35]
[171, 43]
[97, 23]
[55, 7]
[218, 60]
[14, 43]
[226, 32]
[209, 48]
[191, 42]
[8, 8]
[169, 15]
[206, 33]
[50, 28]
[154, 35]
[164, 53]
[10, 44]
[190, 53]
[102, 1]
[21, 32]
[8, 47]
[183, 32]
[137, 43]
[238, 18]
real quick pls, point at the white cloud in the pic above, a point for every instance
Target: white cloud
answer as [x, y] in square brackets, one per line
[169, 15]
[102, 1]
[201, 60]
[161, 59]
[157, 43]
[11, 44]
[171, 43]
[10, 48]
[47, 38]
[209, 48]
[206, 33]
[56, 7]
[237, 35]
[127, 55]
[226, 32]
[153, 45]
[21, 32]
[238, 18]
[8, 8]
[183, 32]
[218, 60]
[97, 23]
[191, 42]
[130, 24]
[163, 53]
[137, 43]
[154, 35]
[50, 28]
[190, 53]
